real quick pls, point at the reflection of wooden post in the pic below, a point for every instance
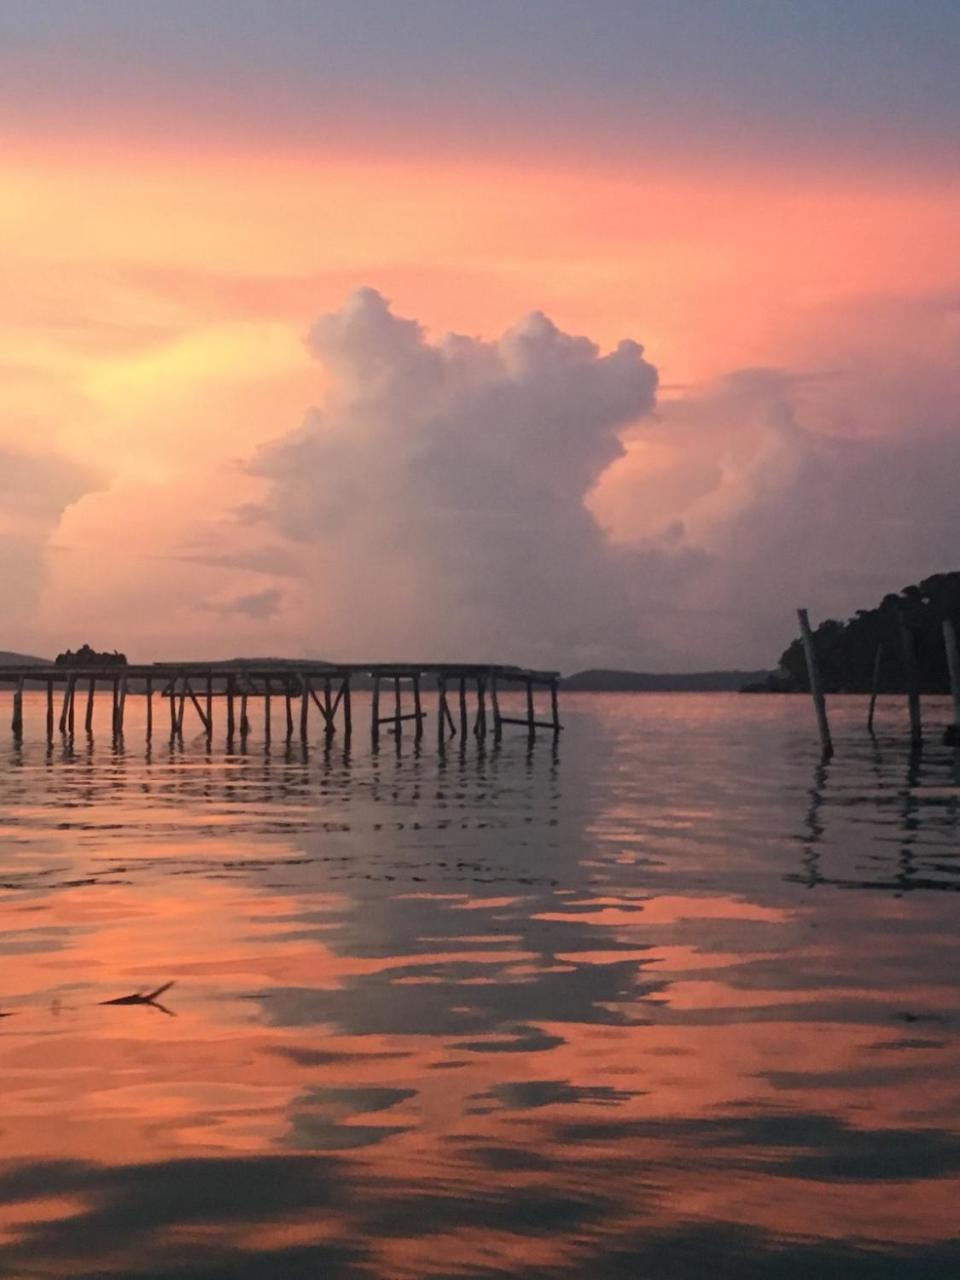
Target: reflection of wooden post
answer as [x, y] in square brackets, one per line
[875, 686]
[953, 666]
[908, 652]
[813, 675]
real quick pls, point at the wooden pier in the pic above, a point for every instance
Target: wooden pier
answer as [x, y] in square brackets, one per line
[466, 699]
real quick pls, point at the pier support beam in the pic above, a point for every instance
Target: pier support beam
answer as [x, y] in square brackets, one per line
[875, 686]
[91, 694]
[149, 730]
[49, 710]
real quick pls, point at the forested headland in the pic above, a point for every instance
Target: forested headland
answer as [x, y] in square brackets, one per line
[846, 651]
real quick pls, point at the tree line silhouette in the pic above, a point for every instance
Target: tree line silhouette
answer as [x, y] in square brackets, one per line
[847, 651]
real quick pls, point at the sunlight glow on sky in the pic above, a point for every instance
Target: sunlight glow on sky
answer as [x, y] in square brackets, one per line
[736, 186]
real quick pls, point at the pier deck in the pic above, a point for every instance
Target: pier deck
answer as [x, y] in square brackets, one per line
[466, 695]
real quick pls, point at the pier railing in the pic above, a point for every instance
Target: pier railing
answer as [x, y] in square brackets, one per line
[466, 697]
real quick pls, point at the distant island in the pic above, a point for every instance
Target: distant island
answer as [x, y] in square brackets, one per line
[603, 681]
[847, 651]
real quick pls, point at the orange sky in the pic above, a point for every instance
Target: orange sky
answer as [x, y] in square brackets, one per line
[156, 299]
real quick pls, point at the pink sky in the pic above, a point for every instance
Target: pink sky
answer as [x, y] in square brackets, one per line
[801, 315]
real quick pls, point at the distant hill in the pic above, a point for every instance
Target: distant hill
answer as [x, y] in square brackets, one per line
[8, 659]
[602, 681]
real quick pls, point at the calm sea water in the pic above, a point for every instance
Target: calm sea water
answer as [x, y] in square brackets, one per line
[670, 1001]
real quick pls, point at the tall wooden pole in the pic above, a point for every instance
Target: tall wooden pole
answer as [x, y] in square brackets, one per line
[267, 690]
[49, 710]
[171, 692]
[875, 687]
[397, 722]
[480, 724]
[244, 718]
[908, 651]
[122, 704]
[288, 707]
[555, 706]
[149, 708]
[813, 675]
[375, 710]
[952, 734]
[91, 692]
[209, 705]
[531, 716]
[328, 708]
[71, 713]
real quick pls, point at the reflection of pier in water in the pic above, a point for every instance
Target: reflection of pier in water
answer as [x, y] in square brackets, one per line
[467, 696]
[928, 796]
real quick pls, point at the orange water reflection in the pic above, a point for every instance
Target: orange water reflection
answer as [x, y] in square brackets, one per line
[428, 1021]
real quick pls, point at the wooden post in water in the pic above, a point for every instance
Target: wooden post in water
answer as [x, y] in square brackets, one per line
[149, 708]
[952, 732]
[244, 718]
[375, 712]
[908, 651]
[463, 709]
[397, 720]
[17, 723]
[267, 690]
[122, 704]
[531, 715]
[347, 711]
[555, 706]
[480, 724]
[209, 705]
[417, 707]
[329, 726]
[813, 675]
[65, 708]
[91, 692]
[288, 707]
[171, 692]
[441, 710]
[495, 707]
[229, 692]
[875, 686]
[304, 708]
[181, 704]
[49, 710]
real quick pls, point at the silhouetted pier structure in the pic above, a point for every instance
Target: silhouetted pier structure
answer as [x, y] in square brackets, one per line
[466, 697]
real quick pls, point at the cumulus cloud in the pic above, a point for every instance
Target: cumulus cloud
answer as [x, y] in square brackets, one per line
[438, 497]
[35, 491]
[518, 499]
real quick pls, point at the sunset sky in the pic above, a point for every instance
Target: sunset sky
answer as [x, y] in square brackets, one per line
[703, 261]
